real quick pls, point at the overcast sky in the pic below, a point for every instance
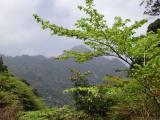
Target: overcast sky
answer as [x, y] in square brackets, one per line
[20, 34]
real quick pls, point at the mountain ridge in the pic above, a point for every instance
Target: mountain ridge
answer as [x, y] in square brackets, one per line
[50, 76]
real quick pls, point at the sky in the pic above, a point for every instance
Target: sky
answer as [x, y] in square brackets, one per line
[21, 34]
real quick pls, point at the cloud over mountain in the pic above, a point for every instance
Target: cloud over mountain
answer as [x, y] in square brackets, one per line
[20, 34]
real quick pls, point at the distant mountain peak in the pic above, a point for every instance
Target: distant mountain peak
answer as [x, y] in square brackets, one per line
[80, 48]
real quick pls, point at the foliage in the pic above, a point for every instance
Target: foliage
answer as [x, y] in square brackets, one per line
[50, 77]
[9, 106]
[15, 92]
[65, 113]
[153, 27]
[79, 80]
[93, 100]
[15, 95]
[140, 96]
[152, 7]
[149, 77]
[98, 100]
[3, 68]
[117, 40]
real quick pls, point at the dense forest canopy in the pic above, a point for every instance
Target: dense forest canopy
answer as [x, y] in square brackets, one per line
[50, 77]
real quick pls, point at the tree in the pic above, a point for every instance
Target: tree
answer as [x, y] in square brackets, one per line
[118, 40]
[94, 100]
[3, 68]
[152, 7]
[153, 27]
[79, 80]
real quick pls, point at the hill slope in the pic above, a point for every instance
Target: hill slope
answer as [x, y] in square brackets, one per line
[15, 96]
[50, 77]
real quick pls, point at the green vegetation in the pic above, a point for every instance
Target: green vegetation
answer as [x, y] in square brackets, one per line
[65, 113]
[50, 77]
[136, 97]
[15, 96]
[3, 68]
[152, 7]
[153, 27]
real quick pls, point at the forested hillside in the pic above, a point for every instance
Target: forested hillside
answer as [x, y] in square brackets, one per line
[16, 95]
[130, 70]
[50, 76]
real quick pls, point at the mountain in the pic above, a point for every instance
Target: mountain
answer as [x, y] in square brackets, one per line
[50, 76]
[80, 48]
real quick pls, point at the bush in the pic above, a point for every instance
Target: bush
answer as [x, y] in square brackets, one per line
[16, 96]
[65, 113]
[9, 106]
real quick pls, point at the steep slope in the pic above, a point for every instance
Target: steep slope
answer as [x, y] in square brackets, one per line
[15, 96]
[50, 77]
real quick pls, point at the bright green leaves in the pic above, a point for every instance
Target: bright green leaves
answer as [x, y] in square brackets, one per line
[79, 57]
[115, 81]
[89, 2]
[64, 113]
[117, 40]
[120, 40]
[149, 77]
[90, 90]
[146, 47]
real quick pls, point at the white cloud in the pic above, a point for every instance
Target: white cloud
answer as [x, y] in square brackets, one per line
[15, 17]
[30, 51]
[19, 33]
